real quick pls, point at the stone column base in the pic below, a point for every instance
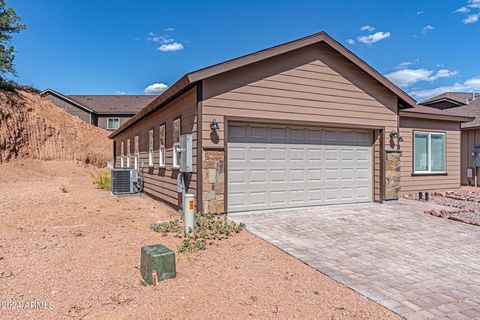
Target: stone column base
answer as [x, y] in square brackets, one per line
[213, 184]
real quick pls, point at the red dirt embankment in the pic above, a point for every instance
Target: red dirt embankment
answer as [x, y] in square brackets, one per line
[35, 128]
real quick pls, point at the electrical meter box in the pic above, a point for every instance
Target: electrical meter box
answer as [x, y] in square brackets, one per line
[476, 156]
[186, 157]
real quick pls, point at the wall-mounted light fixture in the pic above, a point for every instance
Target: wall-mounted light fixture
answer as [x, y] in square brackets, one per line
[394, 135]
[214, 125]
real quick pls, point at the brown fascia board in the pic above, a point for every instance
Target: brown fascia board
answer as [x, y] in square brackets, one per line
[296, 44]
[435, 116]
[192, 77]
[63, 97]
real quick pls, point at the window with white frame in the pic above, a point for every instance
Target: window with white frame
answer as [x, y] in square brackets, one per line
[113, 123]
[137, 152]
[429, 152]
[128, 153]
[121, 154]
[150, 148]
[176, 142]
[161, 148]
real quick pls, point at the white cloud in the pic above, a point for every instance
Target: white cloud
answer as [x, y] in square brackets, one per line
[472, 18]
[374, 37]
[419, 12]
[462, 10]
[367, 28]
[427, 28]
[351, 41]
[155, 88]
[121, 93]
[171, 47]
[407, 77]
[403, 65]
[468, 86]
[473, 83]
[169, 29]
[443, 73]
[167, 43]
[472, 8]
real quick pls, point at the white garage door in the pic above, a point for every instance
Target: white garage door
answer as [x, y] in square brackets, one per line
[280, 167]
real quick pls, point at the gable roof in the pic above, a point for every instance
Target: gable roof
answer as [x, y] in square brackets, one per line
[188, 80]
[456, 98]
[462, 106]
[105, 104]
[114, 104]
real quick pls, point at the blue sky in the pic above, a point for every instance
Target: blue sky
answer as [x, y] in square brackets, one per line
[115, 47]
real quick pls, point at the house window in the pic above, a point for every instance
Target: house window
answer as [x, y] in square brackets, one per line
[429, 152]
[136, 155]
[161, 138]
[128, 153]
[121, 154]
[113, 123]
[150, 148]
[176, 142]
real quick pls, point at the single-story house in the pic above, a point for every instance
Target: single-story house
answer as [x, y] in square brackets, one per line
[465, 103]
[304, 123]
[105, 111]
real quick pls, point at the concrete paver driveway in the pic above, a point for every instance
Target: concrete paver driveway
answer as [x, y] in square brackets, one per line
[420, 266]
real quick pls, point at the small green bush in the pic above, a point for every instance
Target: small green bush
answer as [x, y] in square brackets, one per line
[103, 180]
[208, 228]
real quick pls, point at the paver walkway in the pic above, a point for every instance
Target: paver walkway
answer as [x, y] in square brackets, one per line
[420, 266]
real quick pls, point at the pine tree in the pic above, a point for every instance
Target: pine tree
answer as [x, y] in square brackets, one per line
[9, 24]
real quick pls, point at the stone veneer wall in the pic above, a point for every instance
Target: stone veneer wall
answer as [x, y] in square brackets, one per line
[213, 193]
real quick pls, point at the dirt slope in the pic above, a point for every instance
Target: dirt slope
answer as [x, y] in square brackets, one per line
[35, 128]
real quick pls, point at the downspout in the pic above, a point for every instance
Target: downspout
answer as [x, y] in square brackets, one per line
[199, 147]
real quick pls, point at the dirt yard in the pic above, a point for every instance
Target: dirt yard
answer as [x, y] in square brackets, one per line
[80, 250]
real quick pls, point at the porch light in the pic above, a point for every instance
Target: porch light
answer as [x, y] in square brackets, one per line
[214, 125]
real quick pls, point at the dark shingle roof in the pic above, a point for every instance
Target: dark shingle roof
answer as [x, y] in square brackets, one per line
[113, 104]
[459, 97]
[466, 106]
[451, 114]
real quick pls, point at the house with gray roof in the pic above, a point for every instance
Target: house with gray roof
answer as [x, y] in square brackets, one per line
[461, 103]
[105, 111]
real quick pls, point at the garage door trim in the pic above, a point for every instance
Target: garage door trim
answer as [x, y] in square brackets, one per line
[306, 125]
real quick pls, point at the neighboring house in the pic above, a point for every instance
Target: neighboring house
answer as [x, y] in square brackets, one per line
[105, 111]
[463, 103]
[304, 123]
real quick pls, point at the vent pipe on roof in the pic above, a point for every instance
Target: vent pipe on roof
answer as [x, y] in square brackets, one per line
[473, 98]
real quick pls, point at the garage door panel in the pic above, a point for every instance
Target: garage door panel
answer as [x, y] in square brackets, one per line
[283, 166]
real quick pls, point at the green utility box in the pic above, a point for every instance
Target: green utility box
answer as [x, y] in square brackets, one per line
[157, 258]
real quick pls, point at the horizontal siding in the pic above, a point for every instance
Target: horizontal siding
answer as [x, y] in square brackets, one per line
[313, 84]
[469, 140]
[162, 182]
[413, 184]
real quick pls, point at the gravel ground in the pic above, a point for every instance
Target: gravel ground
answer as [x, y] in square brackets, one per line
[80, 250]
[464, 203]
